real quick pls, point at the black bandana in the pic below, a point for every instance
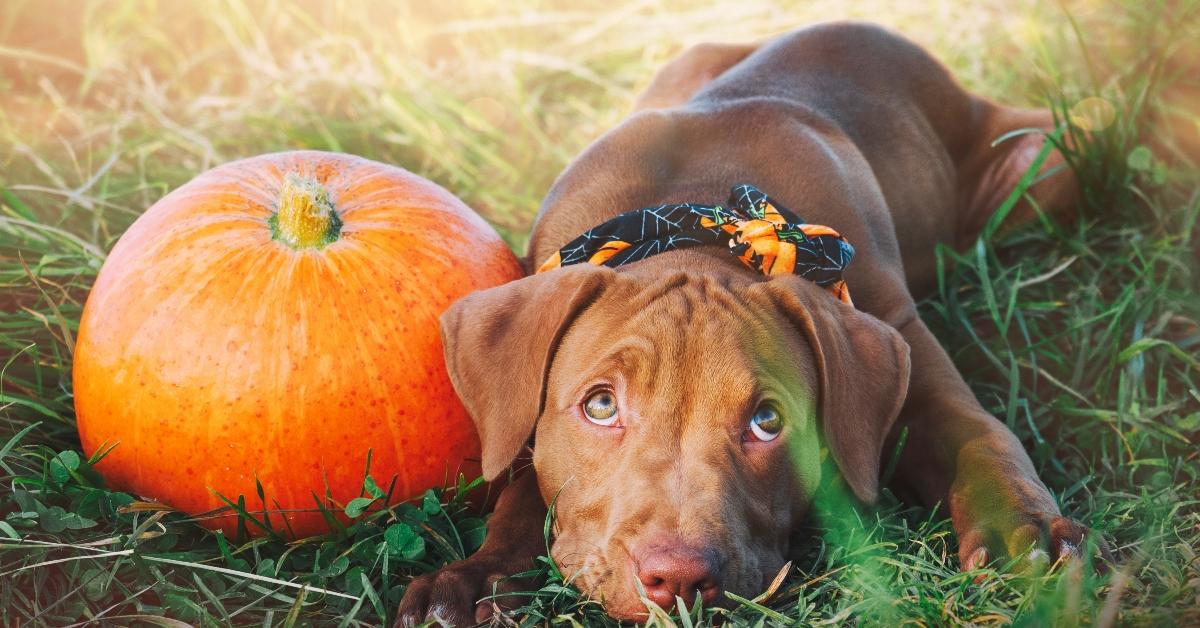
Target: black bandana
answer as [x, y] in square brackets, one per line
[766, 236]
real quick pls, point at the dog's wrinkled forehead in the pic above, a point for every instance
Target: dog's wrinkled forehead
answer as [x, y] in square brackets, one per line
[676, 335]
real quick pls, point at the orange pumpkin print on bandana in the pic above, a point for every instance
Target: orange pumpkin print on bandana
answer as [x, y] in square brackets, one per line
[764, 235]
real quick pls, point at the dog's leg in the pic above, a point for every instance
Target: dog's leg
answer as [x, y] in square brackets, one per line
[957, 453]
[454, 593]
[990, 171]
[688, 73]
[960, 456]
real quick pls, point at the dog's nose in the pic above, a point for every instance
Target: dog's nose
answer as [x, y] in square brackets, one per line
[683, 572]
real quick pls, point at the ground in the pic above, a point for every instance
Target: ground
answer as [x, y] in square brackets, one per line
[1081, 336]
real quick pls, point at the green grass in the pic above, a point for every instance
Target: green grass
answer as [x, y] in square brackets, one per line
[1081, 336]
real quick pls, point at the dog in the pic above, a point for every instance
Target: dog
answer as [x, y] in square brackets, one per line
[676, 409]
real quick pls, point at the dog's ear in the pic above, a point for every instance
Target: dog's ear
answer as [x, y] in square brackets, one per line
[499, 344]
[862, 370]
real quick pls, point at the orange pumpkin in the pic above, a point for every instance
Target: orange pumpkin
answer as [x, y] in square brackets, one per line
[273, 320]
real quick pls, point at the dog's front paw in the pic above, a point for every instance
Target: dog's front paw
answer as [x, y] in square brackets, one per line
[455, 594]
[1034, 540]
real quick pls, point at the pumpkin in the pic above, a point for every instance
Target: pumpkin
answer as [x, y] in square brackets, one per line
[271, 322]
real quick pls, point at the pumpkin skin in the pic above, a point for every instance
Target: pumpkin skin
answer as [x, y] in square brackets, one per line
[212, 354]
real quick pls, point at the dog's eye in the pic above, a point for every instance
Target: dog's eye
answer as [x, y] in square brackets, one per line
[601, 408]
[766, 424]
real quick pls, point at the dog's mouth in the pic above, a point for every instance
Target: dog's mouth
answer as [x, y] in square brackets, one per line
[628, 588]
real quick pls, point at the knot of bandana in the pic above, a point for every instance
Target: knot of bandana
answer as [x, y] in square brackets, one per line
[766, 236]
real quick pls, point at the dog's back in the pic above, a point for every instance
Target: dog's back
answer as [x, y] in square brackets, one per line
[797, 116]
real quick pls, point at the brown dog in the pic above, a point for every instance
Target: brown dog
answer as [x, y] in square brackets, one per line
[645, 387]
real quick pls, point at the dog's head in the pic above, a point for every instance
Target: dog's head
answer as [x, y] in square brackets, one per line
[678, 421]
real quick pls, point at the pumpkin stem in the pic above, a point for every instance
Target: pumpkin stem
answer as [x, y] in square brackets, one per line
[306, 217]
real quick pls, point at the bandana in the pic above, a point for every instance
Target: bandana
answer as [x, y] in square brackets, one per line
[767, 237]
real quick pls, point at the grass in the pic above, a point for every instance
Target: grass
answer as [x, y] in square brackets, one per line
[1082, 336]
